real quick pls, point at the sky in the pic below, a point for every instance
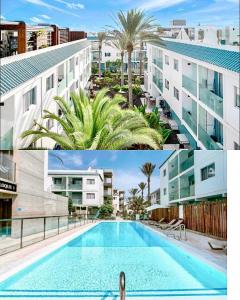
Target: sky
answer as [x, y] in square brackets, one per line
[95, 15]
[125, 164]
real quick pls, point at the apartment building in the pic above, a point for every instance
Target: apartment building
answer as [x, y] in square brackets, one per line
[108, 185]
[198, 87]
[30, 81]
[155, 197]
[23, 194]
[118, 200]
[86, 188]
[111, 53]
[191, 176]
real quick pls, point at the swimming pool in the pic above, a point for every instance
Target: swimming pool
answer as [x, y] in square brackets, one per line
[89, 265]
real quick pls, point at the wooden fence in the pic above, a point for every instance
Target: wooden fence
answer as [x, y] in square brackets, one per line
[167, 213]
[207, 217]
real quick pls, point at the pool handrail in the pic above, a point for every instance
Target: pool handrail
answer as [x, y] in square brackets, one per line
[122, 285]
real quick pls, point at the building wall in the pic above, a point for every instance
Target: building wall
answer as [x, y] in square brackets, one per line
[13, 112]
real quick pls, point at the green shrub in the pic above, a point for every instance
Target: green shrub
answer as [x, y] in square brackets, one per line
[138, 80]
[137, 90]
[125, 88]
[108, 81]
[94, 70]
[105, 211]
[117, 88]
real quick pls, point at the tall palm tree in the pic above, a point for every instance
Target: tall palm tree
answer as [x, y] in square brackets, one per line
[133, 192]
[132, 24]
[119, 41]
[147, 169]
[101, 37]
[137, 205]
[99, 124]
[142, 186]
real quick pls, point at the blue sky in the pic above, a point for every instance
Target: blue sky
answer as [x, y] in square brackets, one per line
[125, 164]
[94, 15]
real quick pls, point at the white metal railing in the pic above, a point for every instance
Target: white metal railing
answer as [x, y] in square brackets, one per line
[178, 232]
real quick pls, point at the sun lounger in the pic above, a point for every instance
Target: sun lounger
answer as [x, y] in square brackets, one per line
[164, 226]
[155, 223]
[214, 246]
[173, 226]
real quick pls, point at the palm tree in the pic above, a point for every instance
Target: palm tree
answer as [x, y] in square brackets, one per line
[118, 39]
[101, 37]
[147, 169]
[137, 205]
[96, 124]
[133, 192]
[142, 186]
[132, 24]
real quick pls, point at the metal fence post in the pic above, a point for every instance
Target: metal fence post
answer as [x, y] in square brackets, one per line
[68, 223]
[21, 237]
[44, 228]
[58, 224]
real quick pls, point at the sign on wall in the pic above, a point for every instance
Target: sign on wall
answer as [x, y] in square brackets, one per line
[7, 186]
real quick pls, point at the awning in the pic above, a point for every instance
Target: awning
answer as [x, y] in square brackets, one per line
[155, 206]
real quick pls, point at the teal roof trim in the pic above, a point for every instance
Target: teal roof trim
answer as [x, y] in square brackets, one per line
[226, 59]
[16, 73]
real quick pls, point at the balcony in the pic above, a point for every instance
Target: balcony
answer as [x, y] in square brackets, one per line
[212, 100]
[173, 190]
[58, 187]
[190, 85]
[158, 82]
[76, 198]
[186, 158]
[75, 186]
[186, 192]
[173, 168]
[158, 62]
[6, 141]
[7, 167]
[189, 119]
[187, 184]
[207, 141]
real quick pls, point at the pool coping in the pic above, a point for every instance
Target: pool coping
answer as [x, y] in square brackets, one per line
[40, 253]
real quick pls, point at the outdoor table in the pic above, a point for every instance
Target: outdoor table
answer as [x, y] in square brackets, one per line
[183, 140]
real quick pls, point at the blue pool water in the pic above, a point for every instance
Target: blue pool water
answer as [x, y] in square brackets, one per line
[90, 265]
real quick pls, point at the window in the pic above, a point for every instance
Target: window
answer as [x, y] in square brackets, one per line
[164, 191]
[176, 93]
[176, 64]
[208, 172]
[164, 172]
[76, 181]
[50, 123]
[90, 181]
[107, 54]
[166, 60]
[90, 196]
[29, 98]
[236, 97]
[57, 180]
[236, 146]
[166, 84]
[49, 83]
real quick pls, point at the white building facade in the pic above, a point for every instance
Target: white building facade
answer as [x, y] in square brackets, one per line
[188, 176]
[29, 82]
[155, 197]
[84, 187]
[199, 85]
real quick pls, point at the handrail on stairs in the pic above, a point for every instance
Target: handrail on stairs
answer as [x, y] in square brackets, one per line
[122, 285]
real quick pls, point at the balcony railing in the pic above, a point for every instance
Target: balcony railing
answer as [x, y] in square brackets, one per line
[212, 100]
[189, 119]
[186, 192]
[6, 141]
[7, 168]
[189, 85]
[60, 186]
[186, 163]
[158, 82]
[207, 141]
[76, 186]
[158, 62]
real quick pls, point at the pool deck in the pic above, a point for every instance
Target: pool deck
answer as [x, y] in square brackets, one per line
[196, 244]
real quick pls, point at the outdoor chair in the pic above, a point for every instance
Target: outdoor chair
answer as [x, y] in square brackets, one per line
[214, 246]
[156, 222]
[165, 226]
[174, 226]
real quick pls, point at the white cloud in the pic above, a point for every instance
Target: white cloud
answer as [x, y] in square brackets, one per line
[69, 159]
[153, 4]
[71, 4]
[45, 17]
[36, 20]
[2, 17]
[128, 179]
[93, 163]
[50, 6]
[113, 156]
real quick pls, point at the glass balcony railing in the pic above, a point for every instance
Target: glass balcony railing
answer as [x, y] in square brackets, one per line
[189, 119]
[158, 62]
[6, 142]
[207, 141]
[211, 100]
[62, 83]
[59, 186]
[158, 82]
[188, 191]
[186, 158]
[173, 190]
[173, 168]
[75, 186]
[189, 85]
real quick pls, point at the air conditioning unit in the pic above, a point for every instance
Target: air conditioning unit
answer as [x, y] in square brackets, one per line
[211, 171]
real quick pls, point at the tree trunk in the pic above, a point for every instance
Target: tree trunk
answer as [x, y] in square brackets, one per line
[99, 62]
[130, 78]
[122, 69]
[141, 59]
[142, 194]
[149, 190]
